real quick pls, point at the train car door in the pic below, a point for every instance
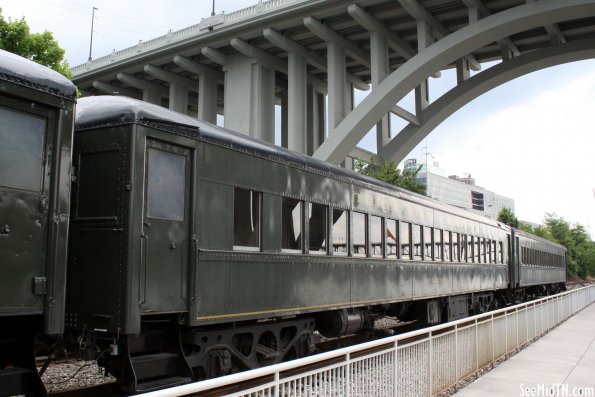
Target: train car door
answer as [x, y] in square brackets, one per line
[166, 226]
[24, 186]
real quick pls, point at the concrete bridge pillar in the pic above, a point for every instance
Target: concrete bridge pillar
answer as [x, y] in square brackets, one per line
[250, 105]
[207, 99]
[178, 98]
[380, 69]
[315, 119]
[296, 103]
[339, 98]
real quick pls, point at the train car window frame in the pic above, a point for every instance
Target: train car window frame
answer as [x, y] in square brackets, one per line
[11, 177]
[359, 223]
[289, 242]
[166, 183]
[318, 224]
[470, 249]
[254, 204]
[344, 219]
[417, 242]
[455, 254]
[446, 246]
[393, 237]
[428, 243]
[405, 250]
[438, 242]
[376, 240]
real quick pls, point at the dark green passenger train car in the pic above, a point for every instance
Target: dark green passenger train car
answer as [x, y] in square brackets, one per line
[197, 251]
[36, 124]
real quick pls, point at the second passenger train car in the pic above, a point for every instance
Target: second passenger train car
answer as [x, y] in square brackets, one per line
[196, 251]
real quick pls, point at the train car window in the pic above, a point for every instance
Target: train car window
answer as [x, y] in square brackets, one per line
[462, 248]
[428, 253]
[166, 183]
[391, 239]
[376, 236]
[501, 252]
[438, 244]
[246, 231]
[22, 150]
[292, 213]
[494, 253]
[446, 243]
[340, 239]
[318, 225]
[478, 250]
[488, 251]
[470, 249]
[484, 251]
[360, 234]
[416, 233]
[405, 240]
[455, 247]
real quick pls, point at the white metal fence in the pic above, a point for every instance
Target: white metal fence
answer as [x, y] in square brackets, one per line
[418, 363]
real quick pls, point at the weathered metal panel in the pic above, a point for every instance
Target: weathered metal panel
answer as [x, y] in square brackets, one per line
[215, 215]
[381, 280]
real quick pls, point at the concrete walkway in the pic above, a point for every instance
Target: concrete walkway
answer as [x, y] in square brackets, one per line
[565, 356]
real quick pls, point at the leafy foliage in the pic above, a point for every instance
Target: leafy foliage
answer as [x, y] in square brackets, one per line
[16, 37]
[508, 217]
[387, 171]
[580, 253]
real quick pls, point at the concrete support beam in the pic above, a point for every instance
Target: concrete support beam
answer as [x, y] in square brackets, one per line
[114, 90]
[421, 14]
[424, 40]
[152, 92]
[284, 119]
[259, 55]
[328, 35]
[198, 68]
[311, 58]
[214, 55]
[179, 87]
[405, 115]
[371, 24]
[296, 103]
[476, 6]
[554, 31]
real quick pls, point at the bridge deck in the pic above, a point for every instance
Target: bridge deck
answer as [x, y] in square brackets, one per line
[564, 356]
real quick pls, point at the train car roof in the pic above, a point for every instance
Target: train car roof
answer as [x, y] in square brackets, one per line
[97, 111]
[24, 72]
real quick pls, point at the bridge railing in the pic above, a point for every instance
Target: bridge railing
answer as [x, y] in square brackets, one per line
[201, 28]
[418, 363]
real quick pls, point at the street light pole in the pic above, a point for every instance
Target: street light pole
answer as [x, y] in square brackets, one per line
[91, 42]
[213, 12]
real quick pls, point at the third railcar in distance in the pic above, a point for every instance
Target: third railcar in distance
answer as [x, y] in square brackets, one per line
[196, 251]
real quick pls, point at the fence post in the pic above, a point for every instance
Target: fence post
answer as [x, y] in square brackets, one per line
[431, 366]
[396, 370]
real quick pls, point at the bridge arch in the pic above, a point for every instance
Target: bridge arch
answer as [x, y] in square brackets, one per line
[459, 96]
[454, 46]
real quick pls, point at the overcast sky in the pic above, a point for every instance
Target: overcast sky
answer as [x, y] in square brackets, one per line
[532, 139]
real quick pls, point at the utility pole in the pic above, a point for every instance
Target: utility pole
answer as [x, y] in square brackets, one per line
[213, 12]
[91, 42]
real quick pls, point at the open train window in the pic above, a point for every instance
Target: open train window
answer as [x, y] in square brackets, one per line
[437, 244]
[446, 256]
[317, 223]
[470, 249]
[416, 233]
[340, 239]
[360, 234]
[428, 249]
[376, 236]
[22, 150]
[166, 183]
[455, 247]
[501, 252]
[246, 209]
[291, 224]
[463, 248]
[405, 239]
[392, 250]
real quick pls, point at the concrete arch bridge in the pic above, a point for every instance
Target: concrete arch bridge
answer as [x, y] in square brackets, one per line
[308, 56]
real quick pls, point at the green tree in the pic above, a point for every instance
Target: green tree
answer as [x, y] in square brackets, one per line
[508, 217]
[387, 171]
[16, 37]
